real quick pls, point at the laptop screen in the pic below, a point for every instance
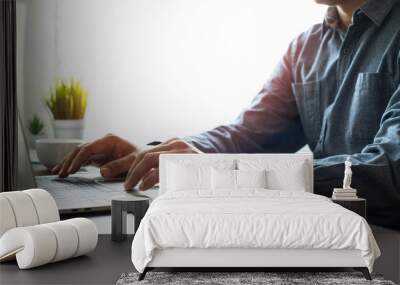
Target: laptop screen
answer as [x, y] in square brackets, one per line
[25, 177]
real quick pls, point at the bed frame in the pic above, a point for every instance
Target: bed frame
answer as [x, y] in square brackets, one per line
[242, 259]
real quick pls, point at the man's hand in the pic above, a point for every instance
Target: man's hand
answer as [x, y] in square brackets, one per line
[145, 166]
[113, 154]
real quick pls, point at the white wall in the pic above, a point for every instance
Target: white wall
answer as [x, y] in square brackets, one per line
[158, 68]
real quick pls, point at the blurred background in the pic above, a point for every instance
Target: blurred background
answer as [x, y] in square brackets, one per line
[153, 69]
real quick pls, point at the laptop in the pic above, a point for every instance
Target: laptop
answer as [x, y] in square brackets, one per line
[82, 192]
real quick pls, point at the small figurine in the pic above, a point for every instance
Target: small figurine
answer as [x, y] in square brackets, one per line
[347, 192]
[347, 174]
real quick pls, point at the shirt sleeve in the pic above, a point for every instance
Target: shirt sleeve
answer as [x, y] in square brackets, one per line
[270, 124]
[376, 170]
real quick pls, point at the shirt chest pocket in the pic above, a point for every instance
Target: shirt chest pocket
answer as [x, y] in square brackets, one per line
[370, 98]
[308, 99]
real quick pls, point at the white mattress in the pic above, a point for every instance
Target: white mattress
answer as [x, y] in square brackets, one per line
[253, 219]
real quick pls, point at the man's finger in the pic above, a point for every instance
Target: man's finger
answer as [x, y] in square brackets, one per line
[98, 160]
[146, 162]
[57, 168]
[118, 166]
[98, 147]
[169, 145]
[140, 156]
[149, 161]
[63, 172]
[150, 179]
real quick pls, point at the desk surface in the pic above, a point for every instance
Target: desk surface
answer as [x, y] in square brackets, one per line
[103, 266]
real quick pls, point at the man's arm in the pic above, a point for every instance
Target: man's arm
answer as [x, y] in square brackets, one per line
[270, 124]
[376, 170]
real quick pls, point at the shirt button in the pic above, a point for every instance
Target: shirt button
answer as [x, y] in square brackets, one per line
[346, 51]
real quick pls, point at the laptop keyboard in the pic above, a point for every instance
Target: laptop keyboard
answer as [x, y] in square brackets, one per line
[79, 192]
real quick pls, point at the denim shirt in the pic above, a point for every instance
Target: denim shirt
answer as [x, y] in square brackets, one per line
[339, 92]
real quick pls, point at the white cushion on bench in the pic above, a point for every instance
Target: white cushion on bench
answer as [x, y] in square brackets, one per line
[31, 232]
[40, 244]
[7, 220]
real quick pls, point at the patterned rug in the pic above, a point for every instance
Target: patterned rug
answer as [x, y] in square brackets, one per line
[243, 278]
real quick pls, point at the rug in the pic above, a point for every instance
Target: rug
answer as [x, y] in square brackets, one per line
[268, 278]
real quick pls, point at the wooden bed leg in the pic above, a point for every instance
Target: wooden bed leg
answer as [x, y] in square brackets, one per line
[364, 271]
[143, 274]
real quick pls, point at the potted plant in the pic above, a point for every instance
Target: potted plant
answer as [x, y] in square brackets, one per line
[36, 127]
[67, 104]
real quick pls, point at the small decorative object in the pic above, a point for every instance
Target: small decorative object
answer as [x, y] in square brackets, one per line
[347, 174]
[345, 193]
[67, 104]
[36, 127]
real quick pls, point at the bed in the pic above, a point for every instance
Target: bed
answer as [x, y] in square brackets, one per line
[247, 210]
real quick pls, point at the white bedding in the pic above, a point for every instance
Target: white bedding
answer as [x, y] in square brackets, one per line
[250, 219]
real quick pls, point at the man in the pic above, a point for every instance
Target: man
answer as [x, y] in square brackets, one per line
[337, 88]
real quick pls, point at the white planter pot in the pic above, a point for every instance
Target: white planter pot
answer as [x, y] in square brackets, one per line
[33, 138]
[68, 129]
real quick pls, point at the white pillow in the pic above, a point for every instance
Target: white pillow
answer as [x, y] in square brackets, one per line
[223, 179]
[251, 178]
[226, 179]
[181, 177]
[288, 175]
[190, 175]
